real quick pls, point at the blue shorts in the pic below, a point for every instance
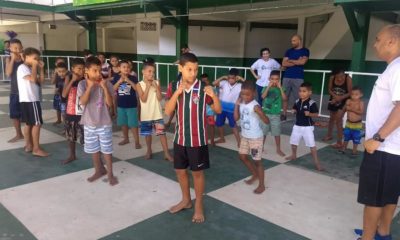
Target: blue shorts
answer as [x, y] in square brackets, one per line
[147, 128]
[221, 119]
[15, 107]
[354, 135]
[127, 117]
[98, 139]
[57, 102]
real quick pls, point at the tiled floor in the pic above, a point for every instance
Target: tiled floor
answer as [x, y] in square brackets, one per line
[42, 199]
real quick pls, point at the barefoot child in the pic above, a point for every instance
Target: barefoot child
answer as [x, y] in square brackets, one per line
[127, 114]
[95, 95]
[210, 114]
[305, 109]
[73, 128]
[355, 109]
[29, 97]
[251, 115]
[12, 64]
[151, 116]
[229, 91]
[190, 143]
[273, 95]
[58, 80]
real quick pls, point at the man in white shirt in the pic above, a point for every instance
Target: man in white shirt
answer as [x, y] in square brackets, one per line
[379, 186]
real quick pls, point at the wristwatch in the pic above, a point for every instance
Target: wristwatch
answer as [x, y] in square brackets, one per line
[377, 137]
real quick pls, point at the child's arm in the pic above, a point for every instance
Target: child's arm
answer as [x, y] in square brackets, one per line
[236, 112]
[265, 93]
[330, 87]
[158, 89]
[170, 106]
[133, 84]
[41, 74]
[119, 82]
[217, 82]
[313, 111]
[216, 105]
[345, 108]
[107, 94]
[84, 99]
[261, 114]
[10, 64]
[68, 85]
[33, 76]
[240, 78]
[53, 78]
[254, 74]
[143, 94]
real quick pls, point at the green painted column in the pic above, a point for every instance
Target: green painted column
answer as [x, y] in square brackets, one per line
[182, 29]
[92, 35]
[360, 43]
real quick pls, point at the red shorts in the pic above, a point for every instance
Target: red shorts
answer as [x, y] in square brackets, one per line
[211, 120]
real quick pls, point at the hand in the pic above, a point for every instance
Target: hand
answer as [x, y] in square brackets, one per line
[74, 77]
[371, 145]
[258, 77]
[238, 101]
[41, 64]
[270, 84]
[90, 83]
[239, 78]
[103, 84]
[149, 84]
[279, 85]
[154, 84]
[307, 113]
[294, 111]
[181, 88]
[209, 91]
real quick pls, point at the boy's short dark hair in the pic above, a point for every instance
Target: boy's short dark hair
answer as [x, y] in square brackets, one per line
[6, 41]
[275, 73]
[90, 61]
[62, 65]
[187, 57]
[263, 50]
[123, 61]
[101, 54]
[114, 56]
[337, 70]
[204, 75]
[15, 40]
[356, 88]
[31, 51]
[149, 62]
[77, 61]
[306, 85]
[234, 71]
[249, 85]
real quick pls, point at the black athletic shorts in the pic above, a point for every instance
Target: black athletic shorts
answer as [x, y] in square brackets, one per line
[196, 158]
[379, 179]
[31, 113]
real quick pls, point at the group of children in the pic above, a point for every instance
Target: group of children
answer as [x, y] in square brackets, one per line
[90, 94]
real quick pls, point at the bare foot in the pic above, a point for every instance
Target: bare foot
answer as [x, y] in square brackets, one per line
[138, 146]
[15, 139]
[280, 153]
[251, 180]
[123, 142]
[169, 158]
[28, 148]
[113, 180]
[291, 157]
[260, 189]
[327, 138]
[97, 176]
[40, 153]
[182, 205]
[68, 160]
[148, 155]
[354, 153]
[198, 216]
[319, 168]
[221, 140]
[337, 145]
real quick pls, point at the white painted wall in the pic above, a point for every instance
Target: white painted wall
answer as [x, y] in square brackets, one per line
[148, 41]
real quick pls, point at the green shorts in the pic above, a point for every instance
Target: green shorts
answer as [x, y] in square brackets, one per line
[274, 125]
[127, 117]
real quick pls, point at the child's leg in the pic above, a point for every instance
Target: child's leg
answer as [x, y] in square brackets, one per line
[212, 134]
[164, 143]
[294, 153]
[135, 132]
[111, 178]
[355, 151]
[251, 167]
[220, 122]
[36, 150]
[58, 117]
[99, 169]
[235, 131]
[260, 175]
[199, 182]
[28, 138]
[278, 146]
[168, 124]
[221, 135]
[149, 151]
[125, 135]
[344, 146]
[339, 127]
[330, 126]
[315, 158]
[183, 179]
[18, 131]
[72, 155]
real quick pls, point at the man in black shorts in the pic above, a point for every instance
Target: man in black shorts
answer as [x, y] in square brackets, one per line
[379, 186]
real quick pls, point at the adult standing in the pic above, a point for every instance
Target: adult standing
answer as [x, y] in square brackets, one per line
[264, 66]
[294, 61]
[379, 186]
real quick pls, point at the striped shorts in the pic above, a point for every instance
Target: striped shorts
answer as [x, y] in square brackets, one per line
[98, 139]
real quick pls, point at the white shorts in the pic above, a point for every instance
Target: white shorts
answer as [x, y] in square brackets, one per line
[299, 132]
